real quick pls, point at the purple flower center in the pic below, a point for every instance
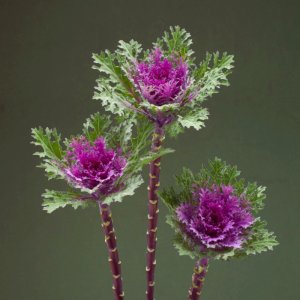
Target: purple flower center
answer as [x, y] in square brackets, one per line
[93, 165]
[161, 80]
[217, 218]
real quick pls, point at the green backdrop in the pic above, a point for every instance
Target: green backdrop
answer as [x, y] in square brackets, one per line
[46, 79]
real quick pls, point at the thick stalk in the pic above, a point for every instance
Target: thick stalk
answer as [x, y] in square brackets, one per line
[158, 137]
[110, 240]
[198, 277]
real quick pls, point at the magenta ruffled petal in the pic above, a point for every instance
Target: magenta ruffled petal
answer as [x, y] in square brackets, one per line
[216, 218]
[161, 80]
[93, 165]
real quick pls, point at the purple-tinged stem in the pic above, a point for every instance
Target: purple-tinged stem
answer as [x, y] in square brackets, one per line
[198, 278]
[110, 240]
[157, 138]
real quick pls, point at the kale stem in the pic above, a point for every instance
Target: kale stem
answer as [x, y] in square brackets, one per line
[198, 277]
[110, 240]
[157, 138]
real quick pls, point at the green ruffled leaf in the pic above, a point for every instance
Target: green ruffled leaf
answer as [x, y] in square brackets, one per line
[171, 107]
[261, 239]
[174, 129]
[131, 185]
[122, 133]
[154, 155]
[177, 40]
[183, 247]
[49, 141]
[225, 255]
[194, 119]
[52, 200]
[110, 99]
[212, 74]
[51, 151]
[129, 50]
[113, 87]
[96, 125]
[105, 63]
[256, 194]
[170, 198]
[52, 170]
[218, 172]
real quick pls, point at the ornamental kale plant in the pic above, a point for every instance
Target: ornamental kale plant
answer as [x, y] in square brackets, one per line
[150, 95]
[165, 85]
[100, 166]
[215, 216]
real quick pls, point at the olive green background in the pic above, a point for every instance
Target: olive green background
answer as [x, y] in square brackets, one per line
[46, 79]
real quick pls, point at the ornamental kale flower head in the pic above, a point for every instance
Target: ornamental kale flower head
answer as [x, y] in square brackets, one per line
[162, 83]
[216, 218]
[103, 163]
[93, 166]
[214, 213]
[161, 80]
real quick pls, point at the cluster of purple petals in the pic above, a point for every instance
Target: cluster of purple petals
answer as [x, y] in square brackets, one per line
[93, 166]
[161, 80]
[216, 218]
